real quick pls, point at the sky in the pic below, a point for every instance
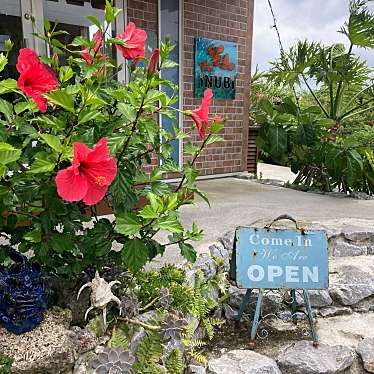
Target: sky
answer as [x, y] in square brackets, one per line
[316, 20]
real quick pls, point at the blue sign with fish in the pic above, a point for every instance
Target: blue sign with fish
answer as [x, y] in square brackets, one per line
[269, 258]
[215, 67]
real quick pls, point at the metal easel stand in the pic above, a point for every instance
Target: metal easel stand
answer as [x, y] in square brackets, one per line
[257, 317]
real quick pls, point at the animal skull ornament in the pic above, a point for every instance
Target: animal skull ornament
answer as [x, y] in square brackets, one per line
[101, 294]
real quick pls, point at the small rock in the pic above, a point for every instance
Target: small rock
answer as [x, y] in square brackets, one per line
[228, 241]
[333, 311]
[352, 286]
[344, 249]
[211, 293]
[190, 277]
[205, 263]
[319, 298]
[218, 250]
[196, 369]
[361, 196]
[303, 358]
[366, 350]
[243, 362]
[230, 313]
[364, 306]
[370, 249]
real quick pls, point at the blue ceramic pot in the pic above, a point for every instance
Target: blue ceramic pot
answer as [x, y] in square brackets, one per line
[23, 295]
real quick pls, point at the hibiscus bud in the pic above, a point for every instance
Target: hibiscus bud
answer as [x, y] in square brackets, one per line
[153, 62]
[8, 44]
[218, 119]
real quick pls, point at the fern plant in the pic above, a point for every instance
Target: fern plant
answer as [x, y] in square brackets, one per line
[194, 346]
[175, 362]
[118, 339]
[149, 355]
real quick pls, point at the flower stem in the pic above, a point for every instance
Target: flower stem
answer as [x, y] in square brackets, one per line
[139, 323]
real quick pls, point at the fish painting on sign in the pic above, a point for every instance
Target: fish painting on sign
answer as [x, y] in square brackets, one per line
[215, 68]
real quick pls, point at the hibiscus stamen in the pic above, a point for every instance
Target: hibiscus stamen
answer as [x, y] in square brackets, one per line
[101, 181]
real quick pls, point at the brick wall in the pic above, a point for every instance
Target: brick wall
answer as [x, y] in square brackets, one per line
[144, 14]
[229, 20]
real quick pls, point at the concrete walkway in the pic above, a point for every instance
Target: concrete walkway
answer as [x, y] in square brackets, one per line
[236, 202]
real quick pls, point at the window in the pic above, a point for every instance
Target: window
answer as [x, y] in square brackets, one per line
[11, 28]
[170, 26]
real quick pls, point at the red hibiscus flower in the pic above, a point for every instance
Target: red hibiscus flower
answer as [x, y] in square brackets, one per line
[134, 39]
[90, 175]
[88, 54]
[201, 114]
[153, 61]
[35, 77]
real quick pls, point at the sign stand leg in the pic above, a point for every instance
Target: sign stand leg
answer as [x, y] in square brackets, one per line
[244, 304]
[310, 317]
[257, 316]
[293, 306]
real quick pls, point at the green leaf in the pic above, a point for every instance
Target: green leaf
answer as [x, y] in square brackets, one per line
[266, 106]
[360, 27]
[80, 41]
[278, 141]
[61, 243]
[214, 139]
[21, 107]
[3, 61]
[288, 106]
[66, 73]
[216, 127]
[53, 141]
[95, 21]
[134, 254]
[109, 13]
[47, 25]
[128, 224]
[168, 64]
[6, 108]
[305, 134]
[34, 236]
[116, 41]
[148, 212]
[188, 251]
[88, 114]
[8, 85]
[170, 223]
[63, 99]
[8, 153]
[128, 111]
[43, 163]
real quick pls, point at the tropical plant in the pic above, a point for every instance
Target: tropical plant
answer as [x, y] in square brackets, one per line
[73, 139]
[330, 95]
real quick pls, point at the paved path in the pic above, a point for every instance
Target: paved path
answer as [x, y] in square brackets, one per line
[237, 202]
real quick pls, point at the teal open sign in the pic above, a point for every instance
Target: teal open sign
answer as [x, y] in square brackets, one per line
[270, 258]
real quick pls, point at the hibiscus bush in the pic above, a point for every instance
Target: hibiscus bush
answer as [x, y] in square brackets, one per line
[75, 139]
